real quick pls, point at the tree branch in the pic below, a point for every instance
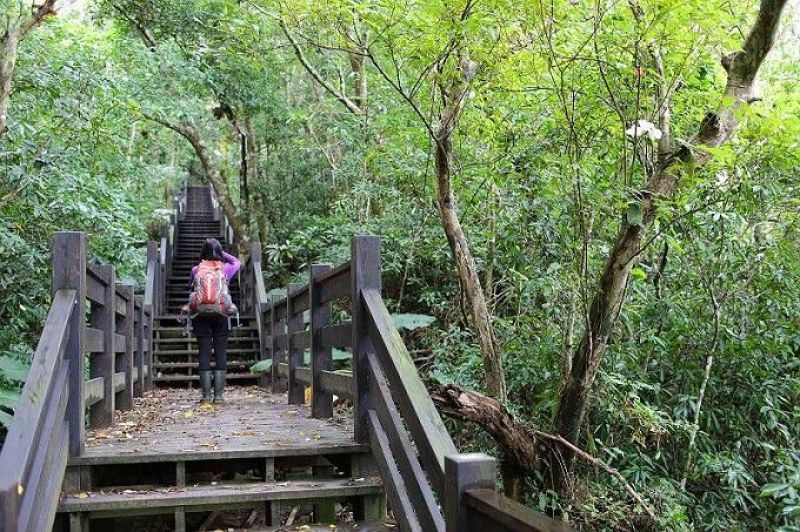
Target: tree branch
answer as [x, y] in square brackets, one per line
[344, 100]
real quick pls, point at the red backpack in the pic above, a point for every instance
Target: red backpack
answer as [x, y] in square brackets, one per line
[210, 294]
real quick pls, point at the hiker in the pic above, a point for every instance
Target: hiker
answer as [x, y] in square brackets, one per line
[209, 305]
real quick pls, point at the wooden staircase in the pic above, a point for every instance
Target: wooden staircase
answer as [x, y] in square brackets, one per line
[175, 353]
[109, 435]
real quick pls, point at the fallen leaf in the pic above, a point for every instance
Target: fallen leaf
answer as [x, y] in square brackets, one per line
[82, 495]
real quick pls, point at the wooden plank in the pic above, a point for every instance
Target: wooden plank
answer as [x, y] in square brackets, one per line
[95, 290]
[101, 414]
[303, 376]
[365, 275]
[283, 369]
[335, 283]
[95, 341]
[120, 343]
[339, 335]
[27, 424]
[336, 383]
[150, 273]
[300, 299]
[210, 495]
[278, 345]
[40, 498]
[94, 390]
[98, 273]
[119, 382]
[69, 271]
[321, 355]
[402, 507]
[486, 507]
[419, 413]
[124, 363]
[121, 304]
[463, 472]
[417, 488]
[300, 340]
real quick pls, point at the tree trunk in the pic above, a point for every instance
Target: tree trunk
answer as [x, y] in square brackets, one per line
[742, 68]
[190, 133]
[14, 34]
[465, 262]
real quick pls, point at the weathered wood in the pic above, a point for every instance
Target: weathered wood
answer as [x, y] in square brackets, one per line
[489, 510]
[395, 487]
[417, 488]
[336, 383]
[339, 335]
[300, 340]
[95, 390]
[120, 341]
[335, 283]
[277, 334]
[427, 427]
[95, 341]
[260, 306]
[27, 427]
[69, 272]
[253, 424]
[282, 369]
[99, 274]
[321, 356]
[300, 299]
[121, 303]
[95, 290]
[464, 472]
[303, 376]
[139, 346]
[119, 381]
[365, 274]
[101, 414]
[40, 499]
[337, 489]
[124, 362]
[294, 322]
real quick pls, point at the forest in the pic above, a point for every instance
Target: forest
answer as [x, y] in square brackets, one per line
[591, 206]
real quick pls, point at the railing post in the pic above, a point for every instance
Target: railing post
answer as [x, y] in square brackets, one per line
[277, 327]
[69, 271]
[124, 399]
[321, 356]
[463, 472]
[294, 323]
[365, 274]
[102, 364]
[138, 360]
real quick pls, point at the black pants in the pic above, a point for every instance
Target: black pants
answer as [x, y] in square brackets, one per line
[211, 331]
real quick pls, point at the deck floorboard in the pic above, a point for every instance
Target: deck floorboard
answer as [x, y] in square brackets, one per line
[170, 425]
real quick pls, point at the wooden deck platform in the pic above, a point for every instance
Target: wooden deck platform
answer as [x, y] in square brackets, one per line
[170, 425]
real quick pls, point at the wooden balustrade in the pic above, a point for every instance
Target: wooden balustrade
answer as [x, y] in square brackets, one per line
[428, 483]
[58, 401]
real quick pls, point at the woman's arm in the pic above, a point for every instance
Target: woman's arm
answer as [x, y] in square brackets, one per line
[232, 265]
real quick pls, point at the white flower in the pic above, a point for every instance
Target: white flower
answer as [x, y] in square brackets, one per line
[644, 127]
[722, 177]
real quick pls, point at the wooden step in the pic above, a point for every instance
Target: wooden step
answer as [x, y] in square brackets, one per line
[221, 495]
[194, 352]
[194, 378]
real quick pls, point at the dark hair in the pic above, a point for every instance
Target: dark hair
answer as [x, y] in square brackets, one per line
[212, 250]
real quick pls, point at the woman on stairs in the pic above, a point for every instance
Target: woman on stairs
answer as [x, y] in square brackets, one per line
[210, 303]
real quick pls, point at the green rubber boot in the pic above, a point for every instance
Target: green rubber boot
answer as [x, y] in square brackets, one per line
[205, 386]
[219, 384]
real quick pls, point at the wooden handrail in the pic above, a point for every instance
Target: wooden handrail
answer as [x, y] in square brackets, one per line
[429, 484]
[51, 416]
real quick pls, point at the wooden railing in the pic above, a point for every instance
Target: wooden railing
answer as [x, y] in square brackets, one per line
[430, 486]
[57, 401]
[93, 357]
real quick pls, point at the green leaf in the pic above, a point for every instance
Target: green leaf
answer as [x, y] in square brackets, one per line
[13, 369]
[9, 398]
[412, 321]
[261, 366]
[5, 419]
[634, 213]
[638, 274]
